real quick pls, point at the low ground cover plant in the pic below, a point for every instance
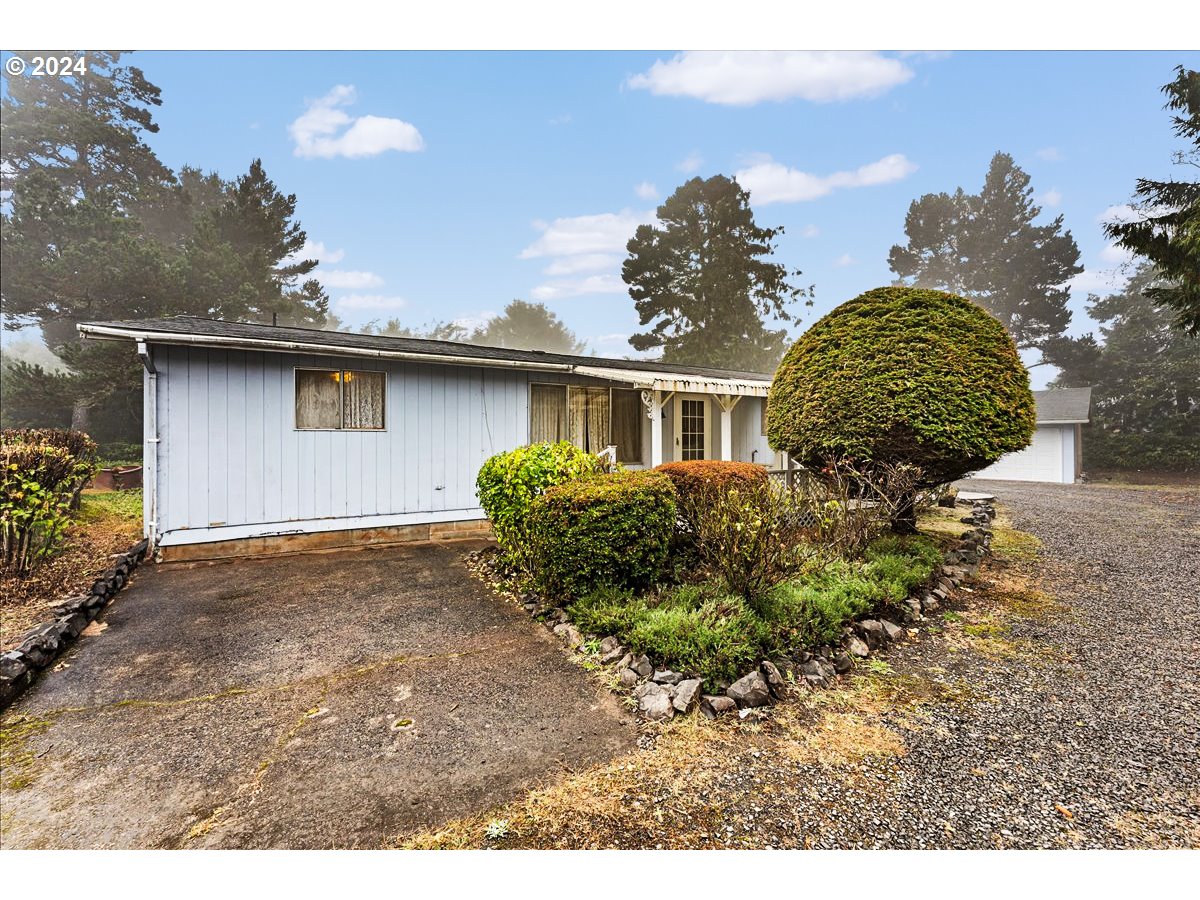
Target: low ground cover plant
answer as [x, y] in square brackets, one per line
[704, 629]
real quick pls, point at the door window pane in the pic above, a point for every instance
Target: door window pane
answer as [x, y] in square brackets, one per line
[691, 430]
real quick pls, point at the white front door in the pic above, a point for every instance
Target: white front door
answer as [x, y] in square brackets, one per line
[692, 428]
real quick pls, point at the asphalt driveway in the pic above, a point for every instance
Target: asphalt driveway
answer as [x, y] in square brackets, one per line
[326, 700]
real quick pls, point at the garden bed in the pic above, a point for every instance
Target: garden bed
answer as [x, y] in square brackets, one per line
[104, 526]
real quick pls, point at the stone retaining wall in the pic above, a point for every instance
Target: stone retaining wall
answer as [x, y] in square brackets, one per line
[43, 643]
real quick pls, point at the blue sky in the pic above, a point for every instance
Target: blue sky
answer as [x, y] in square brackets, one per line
[442, 185]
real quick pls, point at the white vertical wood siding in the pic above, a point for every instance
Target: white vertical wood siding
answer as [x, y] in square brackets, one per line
[230, 453]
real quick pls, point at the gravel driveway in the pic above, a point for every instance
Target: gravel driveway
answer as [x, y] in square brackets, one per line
[1101, 747]
[1054, 704]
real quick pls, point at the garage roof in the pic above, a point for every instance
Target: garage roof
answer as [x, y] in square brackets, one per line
[1063, 406]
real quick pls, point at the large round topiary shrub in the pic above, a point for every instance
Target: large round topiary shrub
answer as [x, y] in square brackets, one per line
[903, 376]
[612, 531]
[508, 482]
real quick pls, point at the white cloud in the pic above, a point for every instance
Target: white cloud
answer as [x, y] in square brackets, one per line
[743, 78]
[564, 119]
[601, 233]
[810, 231]
[349, 280]
[325, 131]
[583, 262]
[1052, 197]
[844, 260]
[473, 321]
[773, 182]
[1116, 256]
[315, 250]
[646, 190]
[592, 284]
[690, 163]
[1049, 154]
[370, 302]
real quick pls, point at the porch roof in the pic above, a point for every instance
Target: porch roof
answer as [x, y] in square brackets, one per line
[681, 383]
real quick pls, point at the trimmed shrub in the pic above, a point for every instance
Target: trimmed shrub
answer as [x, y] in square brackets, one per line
[508, 483]
[41, 472]
[703, 478]
[611, 531]
[903, 376]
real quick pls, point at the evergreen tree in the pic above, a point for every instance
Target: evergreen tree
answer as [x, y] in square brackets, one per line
[1145, 379]
[703, 280]
[987, 247]
[528, 326]
[1169, 232]
[97, 228]
[84, 130]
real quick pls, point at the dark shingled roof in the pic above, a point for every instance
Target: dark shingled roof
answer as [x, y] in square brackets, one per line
[1063, 405]
[216, 330]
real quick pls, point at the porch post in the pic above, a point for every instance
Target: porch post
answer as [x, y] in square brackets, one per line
[653, 401]
[727, 402]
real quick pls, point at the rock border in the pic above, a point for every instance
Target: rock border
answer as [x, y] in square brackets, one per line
[661, 694]
[43, 643]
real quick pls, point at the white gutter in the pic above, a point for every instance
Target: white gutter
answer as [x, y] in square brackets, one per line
[666, 381]
[165, 337]
[150, 448]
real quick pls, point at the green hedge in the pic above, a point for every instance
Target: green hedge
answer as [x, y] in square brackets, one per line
[1140, 452]
[509, 482]
[902, 375]
[614, 530]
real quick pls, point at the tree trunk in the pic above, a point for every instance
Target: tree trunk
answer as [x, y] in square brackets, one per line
[904, 520]
[81, 416]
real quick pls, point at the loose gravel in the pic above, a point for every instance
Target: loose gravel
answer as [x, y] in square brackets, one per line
[1065, 717]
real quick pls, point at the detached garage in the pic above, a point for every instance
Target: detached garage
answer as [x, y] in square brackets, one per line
[1055, 453]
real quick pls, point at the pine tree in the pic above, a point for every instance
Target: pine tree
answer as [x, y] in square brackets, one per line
[703, 280]
[987, 247]
[1168, 234]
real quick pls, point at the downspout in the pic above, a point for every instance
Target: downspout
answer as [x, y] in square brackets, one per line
[150, 451]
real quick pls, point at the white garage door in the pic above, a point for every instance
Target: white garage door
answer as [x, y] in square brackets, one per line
[1042, 460]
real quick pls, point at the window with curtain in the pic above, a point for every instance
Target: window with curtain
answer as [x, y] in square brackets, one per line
[587, 418]
[340, 399]
[762, 407]
[627, 416]
[547, 413]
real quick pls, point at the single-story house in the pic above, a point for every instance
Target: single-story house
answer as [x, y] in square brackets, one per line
[261, 438]
[1055, 453]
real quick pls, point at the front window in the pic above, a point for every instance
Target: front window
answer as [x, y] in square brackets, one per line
[340, 399]
[591, 418]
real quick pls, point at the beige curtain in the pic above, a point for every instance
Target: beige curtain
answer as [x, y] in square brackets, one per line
[317, 402]
[627, 417]
[588, 410]
[547, 413]
[362, 399]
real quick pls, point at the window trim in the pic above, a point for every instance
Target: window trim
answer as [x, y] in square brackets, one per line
[566, 386]
[341, 397]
